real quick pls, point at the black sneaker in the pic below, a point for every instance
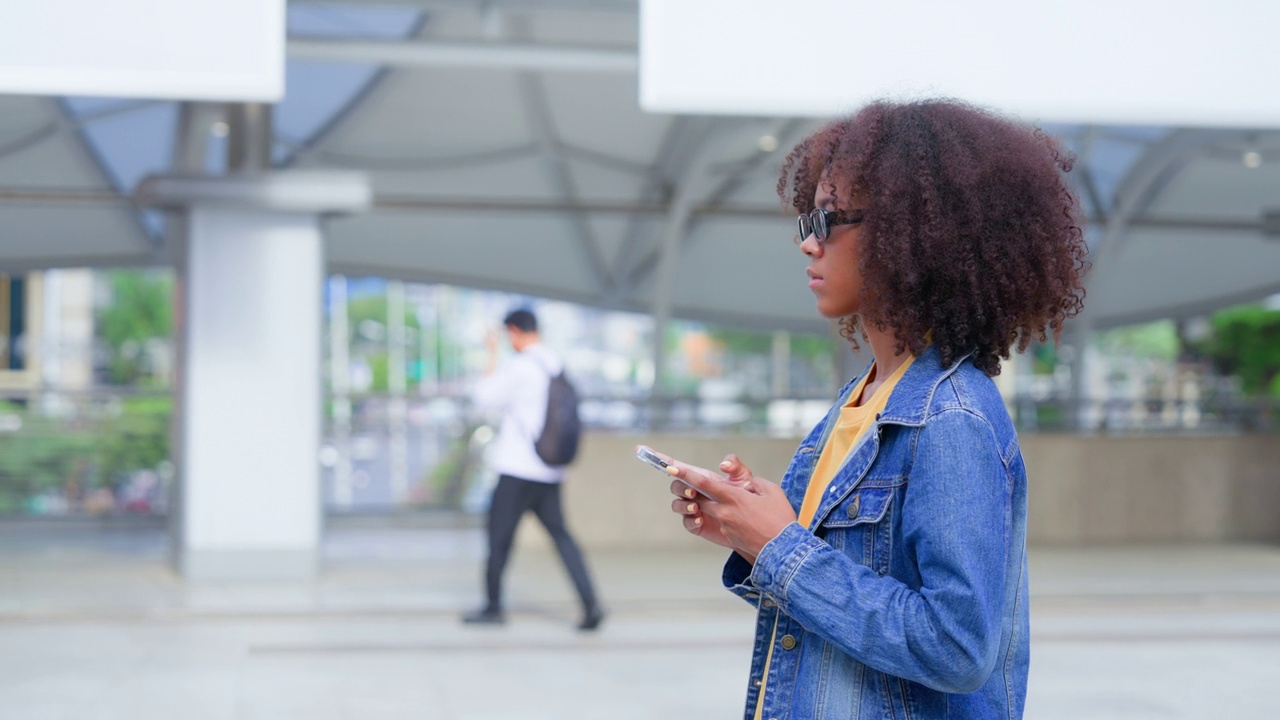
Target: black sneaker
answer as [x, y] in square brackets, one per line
[591, 620]
[487, 616]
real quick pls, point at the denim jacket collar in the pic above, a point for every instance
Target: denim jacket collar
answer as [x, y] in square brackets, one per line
[907, 406]
[909, 403]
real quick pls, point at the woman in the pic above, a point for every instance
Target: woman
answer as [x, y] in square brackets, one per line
[889, 566]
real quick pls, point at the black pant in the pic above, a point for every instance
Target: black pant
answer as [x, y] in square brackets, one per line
[511, 499]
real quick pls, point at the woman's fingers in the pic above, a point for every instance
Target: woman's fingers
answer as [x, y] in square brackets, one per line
[681, 489]
[685, 507]
[698, 479]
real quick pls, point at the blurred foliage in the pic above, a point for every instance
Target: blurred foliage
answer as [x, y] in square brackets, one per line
[815, 347]
[367, 319]
[372, 308]
[137, 439]
[446, 483]
[140, 310]
[1156, 341]
[66, 457]
[1044, 358]
[1246, 343]
[43, 455]
[745, 342]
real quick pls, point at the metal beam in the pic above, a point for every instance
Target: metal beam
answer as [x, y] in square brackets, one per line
[401, 163]
[556, 169]
[1187, 310]
[249, 139]
[1147, 179]
[755, 321]
[679, 143]
[406, 203]
[489, 55]
[1100, 206]
[299, 150]
[64, 123]
[191, 138]
[603, 6]
[673, 234]
[93, 152]
[722, 187]
[605, 160]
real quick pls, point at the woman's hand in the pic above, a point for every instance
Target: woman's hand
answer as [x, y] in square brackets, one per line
[687, 505]
[740, 511]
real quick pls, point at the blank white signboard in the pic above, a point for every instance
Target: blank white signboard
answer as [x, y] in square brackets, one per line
[229, 50]
[1167, 62]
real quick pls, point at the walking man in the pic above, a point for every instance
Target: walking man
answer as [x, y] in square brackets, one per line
[518, 390]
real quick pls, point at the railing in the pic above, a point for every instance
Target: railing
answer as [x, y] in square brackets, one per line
[105, 452]
[1127, 416]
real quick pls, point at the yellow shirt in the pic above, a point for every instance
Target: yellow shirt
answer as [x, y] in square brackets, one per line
[853, 422]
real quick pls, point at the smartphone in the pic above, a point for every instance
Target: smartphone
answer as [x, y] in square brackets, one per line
[648, 456]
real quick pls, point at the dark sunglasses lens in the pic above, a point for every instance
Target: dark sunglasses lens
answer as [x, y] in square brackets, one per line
[819, 220]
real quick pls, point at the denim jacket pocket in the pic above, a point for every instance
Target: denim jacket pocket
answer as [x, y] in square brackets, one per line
[860, 526]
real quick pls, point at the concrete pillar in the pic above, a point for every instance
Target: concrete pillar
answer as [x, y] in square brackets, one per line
[1080, 400]
[248, 409]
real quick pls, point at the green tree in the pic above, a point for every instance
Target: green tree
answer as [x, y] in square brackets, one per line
[138, 439]
[44, 454]
[1157, 340]
[140, 310]
[1246, 343]
[369, 313]
[743, 342]
[746, 342]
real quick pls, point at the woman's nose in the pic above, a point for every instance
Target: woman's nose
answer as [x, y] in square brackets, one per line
[810, 246]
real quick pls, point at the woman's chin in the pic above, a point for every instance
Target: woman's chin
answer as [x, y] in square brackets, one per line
[831, 311]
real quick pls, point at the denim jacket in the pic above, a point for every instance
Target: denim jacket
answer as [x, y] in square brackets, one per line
[907, 595]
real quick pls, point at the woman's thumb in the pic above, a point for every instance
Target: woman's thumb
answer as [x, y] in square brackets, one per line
[734, 468]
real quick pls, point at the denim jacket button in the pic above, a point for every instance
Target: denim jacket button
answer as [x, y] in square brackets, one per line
[767, 603]
[756, 682]
[788, 642]
[853, 506]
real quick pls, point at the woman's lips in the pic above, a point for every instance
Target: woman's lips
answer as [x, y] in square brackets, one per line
[814, 279]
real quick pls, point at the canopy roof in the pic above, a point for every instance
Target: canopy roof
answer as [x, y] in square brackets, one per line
[507, 150]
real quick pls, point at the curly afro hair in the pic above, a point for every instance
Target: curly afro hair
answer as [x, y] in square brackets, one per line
[971, 235]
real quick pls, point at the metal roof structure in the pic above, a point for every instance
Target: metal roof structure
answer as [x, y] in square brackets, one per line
[506, 149]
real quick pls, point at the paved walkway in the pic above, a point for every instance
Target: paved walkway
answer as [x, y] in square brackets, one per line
[93, 624]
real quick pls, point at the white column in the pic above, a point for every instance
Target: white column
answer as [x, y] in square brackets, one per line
[249, 393]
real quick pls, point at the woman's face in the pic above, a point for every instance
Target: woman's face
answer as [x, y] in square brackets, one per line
[835, 275]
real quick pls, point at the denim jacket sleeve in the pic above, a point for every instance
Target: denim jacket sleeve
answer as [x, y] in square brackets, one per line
[956, 518]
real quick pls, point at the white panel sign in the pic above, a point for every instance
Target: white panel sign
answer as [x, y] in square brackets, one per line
[230, 50]
[1167, 62]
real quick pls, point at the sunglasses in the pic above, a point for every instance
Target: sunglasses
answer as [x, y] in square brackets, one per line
[818, 222]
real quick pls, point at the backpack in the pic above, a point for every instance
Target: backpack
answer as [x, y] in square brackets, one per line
[558, 443]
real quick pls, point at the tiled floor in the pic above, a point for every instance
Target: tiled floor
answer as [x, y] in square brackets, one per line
[93, 624]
